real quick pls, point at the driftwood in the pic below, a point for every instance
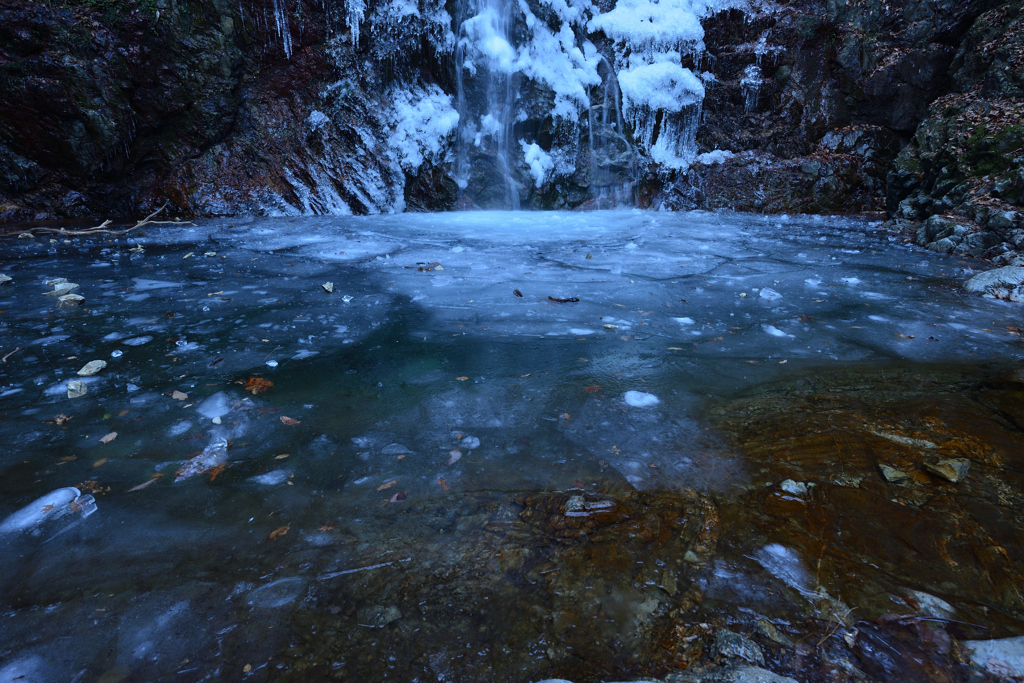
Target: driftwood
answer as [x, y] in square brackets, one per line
[101, 229]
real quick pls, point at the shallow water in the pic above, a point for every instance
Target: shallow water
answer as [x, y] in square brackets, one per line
[466, 489]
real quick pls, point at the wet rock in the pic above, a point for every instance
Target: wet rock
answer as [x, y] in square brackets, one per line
[575, 504]
[378, 616]
[77, 389]
[1007, 276]
[950, 469]
[395, 449]
[70, 301]
[893, 475]
[92, 367]
[769, 631]
[742, 673]
[731, 645]
[1003, 658]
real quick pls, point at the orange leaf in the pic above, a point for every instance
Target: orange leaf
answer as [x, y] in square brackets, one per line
[217, 470]
[257, 385]
[591, 389]
[443, 484]
[278, 532]
[461, 379]
[387, 484]
[99, 462]
[289, 421]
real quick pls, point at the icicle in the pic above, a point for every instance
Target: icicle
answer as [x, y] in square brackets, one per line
[283, 30]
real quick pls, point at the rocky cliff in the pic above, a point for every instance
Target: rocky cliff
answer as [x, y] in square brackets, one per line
[287, 106]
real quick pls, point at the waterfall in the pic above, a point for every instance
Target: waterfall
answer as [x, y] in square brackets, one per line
[486, 101]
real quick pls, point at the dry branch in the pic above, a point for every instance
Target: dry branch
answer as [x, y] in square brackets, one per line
[99, 229]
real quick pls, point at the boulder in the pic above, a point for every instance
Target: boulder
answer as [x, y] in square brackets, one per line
[1007, 276]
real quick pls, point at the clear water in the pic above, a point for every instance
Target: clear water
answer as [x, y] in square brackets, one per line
[466, 454]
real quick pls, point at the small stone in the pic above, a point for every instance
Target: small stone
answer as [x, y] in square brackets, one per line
[575, 504]
[797, 488]
[4, 279]
[691, 557]
[439, 268]
[210, 254]
[346, 298]
[216, 420]
[378, 616]
[70, 301]
[894, 475]
[733, 645]
[328, 287]
[25, 236]
[77, 389]
[950, 469]
[768, 630]
[470, 442]
[92, 367]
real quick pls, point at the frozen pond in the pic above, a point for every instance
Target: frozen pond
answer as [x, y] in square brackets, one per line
[503, 447]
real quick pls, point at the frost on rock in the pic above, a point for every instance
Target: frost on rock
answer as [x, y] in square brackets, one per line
[661, 98]
[538, 160]
[423, 119]
[53, 506]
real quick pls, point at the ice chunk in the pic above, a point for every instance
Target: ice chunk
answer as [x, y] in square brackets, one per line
[277, 593]
[214, 455]
[395, 449]
[275, 478]
[785, 565]
[684, 321]
[217, 405]
[470, 442]
[772, 330]
[640, 399]
[770, 294]
[138, 341]
[54, 505]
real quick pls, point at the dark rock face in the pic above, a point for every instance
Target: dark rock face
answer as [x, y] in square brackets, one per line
[821, 96]
[284, 107]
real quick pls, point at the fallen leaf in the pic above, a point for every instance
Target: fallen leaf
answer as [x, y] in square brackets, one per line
[108, 438]
[517, 292]
[217, 470]
[247, 668]
[289, 421]
[603, 463]
[453, 457]
[99, 462]
[653, 466]
[257, 385]
[398, 497]
[570, 300]
[326, 527]
[461, 379]
[124, 412]
[60, 419]
[565, 416]
[443, 484]
[578, 484]
[592, 388]
[179, 395]
[387, 485]
[904, 336]
[278, 532]
[611, 327]
[69, 458]
[282, 456]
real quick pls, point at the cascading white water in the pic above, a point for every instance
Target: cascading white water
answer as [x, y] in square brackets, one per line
[485, 54]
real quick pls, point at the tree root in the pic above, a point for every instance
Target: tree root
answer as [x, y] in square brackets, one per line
[101, 229]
